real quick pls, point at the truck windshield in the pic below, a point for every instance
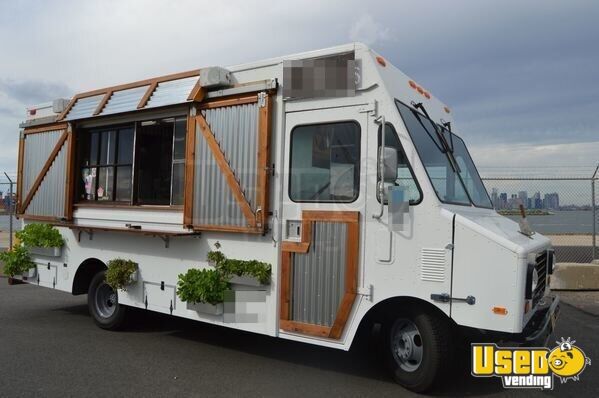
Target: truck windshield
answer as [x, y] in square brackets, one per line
[453, 175]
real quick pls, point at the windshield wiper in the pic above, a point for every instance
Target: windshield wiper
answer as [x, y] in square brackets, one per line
[448, 149]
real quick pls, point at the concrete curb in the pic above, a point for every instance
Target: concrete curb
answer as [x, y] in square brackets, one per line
[574, 276]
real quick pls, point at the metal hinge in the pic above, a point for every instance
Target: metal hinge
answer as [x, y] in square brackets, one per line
[369, 107]
[261, 99]
[367, 291]
[446, 298]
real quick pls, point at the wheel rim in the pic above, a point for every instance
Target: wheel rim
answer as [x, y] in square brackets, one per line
[406, 345]
[105, 300]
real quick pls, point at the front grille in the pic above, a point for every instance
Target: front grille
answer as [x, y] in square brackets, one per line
[541, 267]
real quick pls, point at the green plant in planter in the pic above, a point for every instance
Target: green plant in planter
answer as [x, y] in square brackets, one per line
[16, 261]
[260, 270]
[119, 273]
[202, 286]
[40, 235]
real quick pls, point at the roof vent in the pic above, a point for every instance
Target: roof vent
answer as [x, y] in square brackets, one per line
[215, 76]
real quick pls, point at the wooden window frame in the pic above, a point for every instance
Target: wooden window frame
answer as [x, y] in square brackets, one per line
[256, 221]
[352, 219]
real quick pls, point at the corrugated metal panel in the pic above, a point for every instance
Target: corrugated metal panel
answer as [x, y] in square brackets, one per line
[124, 100]
[84, 107]
[432, 265]
[236, 130]
[49, 199]
[172, 92]
[214, 203]
[318, 283]
[37, 150]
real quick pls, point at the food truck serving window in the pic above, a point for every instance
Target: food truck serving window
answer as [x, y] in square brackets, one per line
[139, 163]
[325, 162]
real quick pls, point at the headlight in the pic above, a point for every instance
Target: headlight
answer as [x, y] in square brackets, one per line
[532, 278]
[550, 261]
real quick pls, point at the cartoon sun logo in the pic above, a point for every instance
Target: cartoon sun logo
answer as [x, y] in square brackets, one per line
[567, 360]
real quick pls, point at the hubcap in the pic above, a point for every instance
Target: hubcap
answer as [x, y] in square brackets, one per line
[406, 345]
[105, 300]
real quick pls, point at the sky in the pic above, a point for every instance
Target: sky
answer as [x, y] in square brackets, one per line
[521, 78]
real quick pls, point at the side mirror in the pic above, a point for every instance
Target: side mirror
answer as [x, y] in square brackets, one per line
[389, 155]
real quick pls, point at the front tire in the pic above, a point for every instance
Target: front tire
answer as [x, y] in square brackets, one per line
[417, 349]
[103, 304]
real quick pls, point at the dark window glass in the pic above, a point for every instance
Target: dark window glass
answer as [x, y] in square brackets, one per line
[325, 162]
[405, 176]
[444, 178]
[125, 146]
[154, 162]
[102, 168]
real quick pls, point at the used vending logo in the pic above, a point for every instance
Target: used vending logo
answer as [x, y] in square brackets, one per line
[533, 367]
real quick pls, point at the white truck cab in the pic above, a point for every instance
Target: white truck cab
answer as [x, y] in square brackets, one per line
[332, 166]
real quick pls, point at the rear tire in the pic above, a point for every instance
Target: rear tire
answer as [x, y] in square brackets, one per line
[417, 349]
[103, 304]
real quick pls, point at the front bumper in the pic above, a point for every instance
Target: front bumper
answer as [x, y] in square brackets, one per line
[536, 333]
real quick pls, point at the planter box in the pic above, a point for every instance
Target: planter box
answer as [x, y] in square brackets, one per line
[246, 280]
[46, 251]
[30, 274]
[206, 308]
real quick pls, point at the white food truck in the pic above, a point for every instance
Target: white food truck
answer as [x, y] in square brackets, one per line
[332, 166]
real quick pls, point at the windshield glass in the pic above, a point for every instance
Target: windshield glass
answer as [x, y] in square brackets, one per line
[454, 177]
[470, 177]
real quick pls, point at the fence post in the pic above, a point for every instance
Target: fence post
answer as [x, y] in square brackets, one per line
[10, 212]
[594, 206]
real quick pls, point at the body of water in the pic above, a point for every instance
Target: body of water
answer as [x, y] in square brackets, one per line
[577, 221]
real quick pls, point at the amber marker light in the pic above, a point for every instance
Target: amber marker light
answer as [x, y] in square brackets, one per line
[427, 95]
[412, 84]
[446, 109]
[499, 310]
[381, 61]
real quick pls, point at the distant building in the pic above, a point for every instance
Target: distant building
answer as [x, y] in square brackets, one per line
[537, 201]
[503, 200]
[551, 201]
[523, 196]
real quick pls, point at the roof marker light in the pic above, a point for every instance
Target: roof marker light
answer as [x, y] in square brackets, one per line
[420, 90]
[381, 61]
[427, 95]
[446, 109]
[412, 84]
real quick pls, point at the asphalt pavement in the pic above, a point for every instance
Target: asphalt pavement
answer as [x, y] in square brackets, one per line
[50, 347]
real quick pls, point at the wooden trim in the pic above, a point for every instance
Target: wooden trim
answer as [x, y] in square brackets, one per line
[48, 219]
[70, 178]
[140, 83]
[239, 99]
[342, 316]
[285, 297]
[333, 216]
[226, 170]
[20, 162]
[144, 100]
[263, 161]
[197, 93]
[51, 127]
[44, 170]
[305, 328]
[103, 103]
[190, 148]
[352, 249]
[295, 247]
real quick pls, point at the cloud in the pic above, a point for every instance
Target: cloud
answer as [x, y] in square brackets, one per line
[369, 31]
[33, 91]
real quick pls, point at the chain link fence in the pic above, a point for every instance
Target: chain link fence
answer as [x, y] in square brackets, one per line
[562, 208]
[8, 222]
